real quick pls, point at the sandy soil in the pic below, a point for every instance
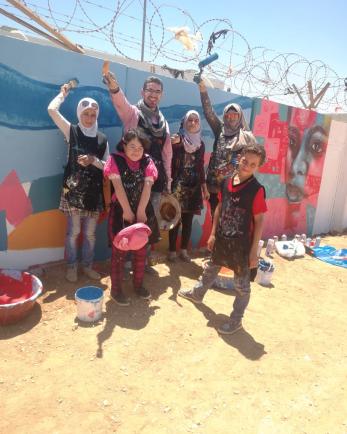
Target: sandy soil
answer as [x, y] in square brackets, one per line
[161, 367]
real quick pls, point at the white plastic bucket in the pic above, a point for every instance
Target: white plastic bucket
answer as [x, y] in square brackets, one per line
[264, 277]
[89, 301]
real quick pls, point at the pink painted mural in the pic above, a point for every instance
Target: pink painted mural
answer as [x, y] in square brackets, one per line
[296, 142]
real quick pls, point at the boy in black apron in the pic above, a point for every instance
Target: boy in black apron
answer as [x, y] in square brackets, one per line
[236, 231]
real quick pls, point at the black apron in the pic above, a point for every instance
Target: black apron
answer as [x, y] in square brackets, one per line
[83, 186]
[133, 183]
[187, 186]
[233, 236]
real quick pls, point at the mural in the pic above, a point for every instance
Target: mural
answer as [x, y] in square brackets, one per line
[31, 227]
[34, 152]
[296, 143]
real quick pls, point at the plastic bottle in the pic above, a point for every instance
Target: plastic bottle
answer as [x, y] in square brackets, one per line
[284, 237]
[270, 247]
[317, 242]
[260, 246]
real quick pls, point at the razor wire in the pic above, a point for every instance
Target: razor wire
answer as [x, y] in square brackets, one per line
[241, 69]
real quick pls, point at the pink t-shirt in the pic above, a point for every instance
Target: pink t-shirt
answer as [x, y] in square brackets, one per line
[111, 170]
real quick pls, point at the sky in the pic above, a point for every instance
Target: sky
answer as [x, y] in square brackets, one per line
[311, 29]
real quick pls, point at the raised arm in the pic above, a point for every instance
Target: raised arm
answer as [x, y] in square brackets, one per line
[53, 110]
[213, 120]
[127, 112]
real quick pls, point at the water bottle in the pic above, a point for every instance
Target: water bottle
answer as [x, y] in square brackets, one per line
[269, 246]
[260, 246]
[308, 242]
[297, 237]
[275, 237]
[284, 237]
[303, 238]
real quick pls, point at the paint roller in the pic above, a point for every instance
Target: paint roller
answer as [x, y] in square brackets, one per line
[202, 64]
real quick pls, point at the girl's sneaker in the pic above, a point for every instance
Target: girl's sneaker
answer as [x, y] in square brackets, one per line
[143, 293]
[71, 274]
[120, 298]
[172, 257]
[184, 256]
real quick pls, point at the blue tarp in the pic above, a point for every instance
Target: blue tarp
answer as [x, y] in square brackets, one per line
[331, 255]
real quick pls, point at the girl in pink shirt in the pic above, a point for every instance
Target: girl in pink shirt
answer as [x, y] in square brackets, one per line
[132, 173]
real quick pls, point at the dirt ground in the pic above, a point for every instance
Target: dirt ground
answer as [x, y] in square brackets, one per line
[161, 367]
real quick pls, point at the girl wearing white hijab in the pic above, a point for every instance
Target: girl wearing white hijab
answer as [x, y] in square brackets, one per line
[188, 179]
[82, 198]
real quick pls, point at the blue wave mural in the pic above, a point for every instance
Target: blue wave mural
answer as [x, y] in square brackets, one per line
[24, 102]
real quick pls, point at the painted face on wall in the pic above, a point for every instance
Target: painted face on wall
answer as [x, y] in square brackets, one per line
[305, 156]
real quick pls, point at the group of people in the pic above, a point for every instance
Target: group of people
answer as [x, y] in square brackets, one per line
[149, 163]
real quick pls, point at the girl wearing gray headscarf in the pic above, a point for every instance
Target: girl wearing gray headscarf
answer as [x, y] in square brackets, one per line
[82, 197]
[231, 135]
[188, 179]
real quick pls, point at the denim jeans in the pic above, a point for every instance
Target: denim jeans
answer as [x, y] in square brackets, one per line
[74, 225]
[241, 284]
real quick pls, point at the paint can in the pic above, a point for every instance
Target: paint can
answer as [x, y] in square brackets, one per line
[265, 272]
[89, 301]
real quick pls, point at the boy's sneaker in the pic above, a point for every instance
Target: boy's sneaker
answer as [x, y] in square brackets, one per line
[143, 293]
[71, 274]
[230, 327]
[92, 274]
[189, 295]
[120, 299]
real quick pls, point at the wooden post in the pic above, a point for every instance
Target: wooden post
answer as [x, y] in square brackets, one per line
[299, 95]
[310, 93]
[29, 26]
[28, 12]
[320, 95]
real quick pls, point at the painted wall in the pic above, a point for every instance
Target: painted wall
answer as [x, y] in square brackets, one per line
[296, 142]
[304, 174]
[33, 151]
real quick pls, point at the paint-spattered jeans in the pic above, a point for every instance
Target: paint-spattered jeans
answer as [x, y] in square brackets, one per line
[241, 284]
[74, 225]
